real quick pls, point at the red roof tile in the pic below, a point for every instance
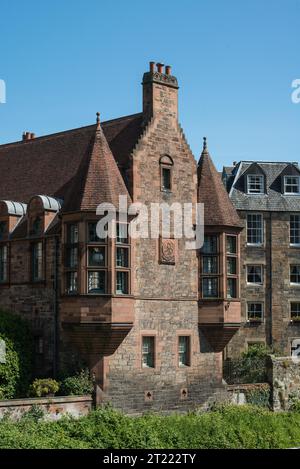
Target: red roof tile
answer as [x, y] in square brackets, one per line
[98, 179]
[218, 208]
[48, 165]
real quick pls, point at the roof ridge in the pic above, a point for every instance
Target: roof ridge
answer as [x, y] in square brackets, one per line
[68, 131]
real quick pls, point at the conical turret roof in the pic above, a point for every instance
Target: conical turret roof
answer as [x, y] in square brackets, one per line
[218, 208]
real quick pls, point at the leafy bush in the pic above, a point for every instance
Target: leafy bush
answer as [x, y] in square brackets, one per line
[250, 367]
[78, 385]
[44, 387]
[15, 373]
[227, 427]
[259, 395]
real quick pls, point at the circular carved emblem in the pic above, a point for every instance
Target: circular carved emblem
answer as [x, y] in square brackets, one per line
[168, 251]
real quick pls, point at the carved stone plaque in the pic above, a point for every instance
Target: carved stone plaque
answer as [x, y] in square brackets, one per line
[167, 251]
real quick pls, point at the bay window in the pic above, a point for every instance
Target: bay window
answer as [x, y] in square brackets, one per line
[122, 260]
[219, 268]
[210, 267]
[71, 259]
[97, 262]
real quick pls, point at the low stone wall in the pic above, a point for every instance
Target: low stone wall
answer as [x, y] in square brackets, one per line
[256, 393]
[284, 377]
[54, 407]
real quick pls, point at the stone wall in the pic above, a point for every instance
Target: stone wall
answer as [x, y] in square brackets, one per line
[33, 301]
[166, 296]
[54, 408]
[276, 293]
[284, 377]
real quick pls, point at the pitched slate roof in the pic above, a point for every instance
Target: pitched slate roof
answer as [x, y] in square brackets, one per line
[218, 209]
[98, 179]
[273, 199]
[48, 165]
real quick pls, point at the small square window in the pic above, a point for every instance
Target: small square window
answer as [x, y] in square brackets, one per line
[96, 256]
[210, 245]
[231, 265]
[291, 185]
[210, 264]
[97, 282]
[122, 258]
[72, 234]
[295, 274]
[231, 288]
[122, 233]
[295, 311]
[92, 233]
[255, 184]
[71, 283]
[255, 274]
[255, 312]
[72, 257]
[231, 244]
[210, 287]
[122, 283]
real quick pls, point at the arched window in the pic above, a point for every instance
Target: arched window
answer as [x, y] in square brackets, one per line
[166, 168]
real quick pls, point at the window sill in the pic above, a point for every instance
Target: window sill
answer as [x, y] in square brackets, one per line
[255, 321]
[252, 284]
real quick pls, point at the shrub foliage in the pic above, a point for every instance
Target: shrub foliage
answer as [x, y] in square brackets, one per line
[226, 427]
[78, 385]
[15, 373]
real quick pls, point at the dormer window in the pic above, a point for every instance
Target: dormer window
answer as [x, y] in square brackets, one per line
[291, 185]
[255, 184]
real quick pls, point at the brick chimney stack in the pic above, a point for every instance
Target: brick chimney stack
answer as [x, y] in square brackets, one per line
[28, 136]
[160, 93]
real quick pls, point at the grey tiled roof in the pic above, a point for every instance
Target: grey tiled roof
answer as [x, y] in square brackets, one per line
[273, 200]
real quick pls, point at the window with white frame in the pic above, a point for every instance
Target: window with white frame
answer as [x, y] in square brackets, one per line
[295, 311]
[295, 274]
[255, 312]
[255, 184]
[254, 228]
[255, 274]
[291, 185]
[295, 229]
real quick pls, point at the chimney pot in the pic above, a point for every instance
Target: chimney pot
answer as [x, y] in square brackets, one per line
[234, 163]
[32, 135]
[152, 67]
[160, 67]
[168, 70]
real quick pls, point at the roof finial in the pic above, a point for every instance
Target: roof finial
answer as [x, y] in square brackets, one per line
[98, 120]
[204, 143]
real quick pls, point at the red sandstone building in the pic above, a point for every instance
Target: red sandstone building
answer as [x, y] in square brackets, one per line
[149, 317]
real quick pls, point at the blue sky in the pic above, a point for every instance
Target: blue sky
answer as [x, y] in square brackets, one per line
[235, 61]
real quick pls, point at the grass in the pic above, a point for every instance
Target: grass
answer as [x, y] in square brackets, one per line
[227, 427]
